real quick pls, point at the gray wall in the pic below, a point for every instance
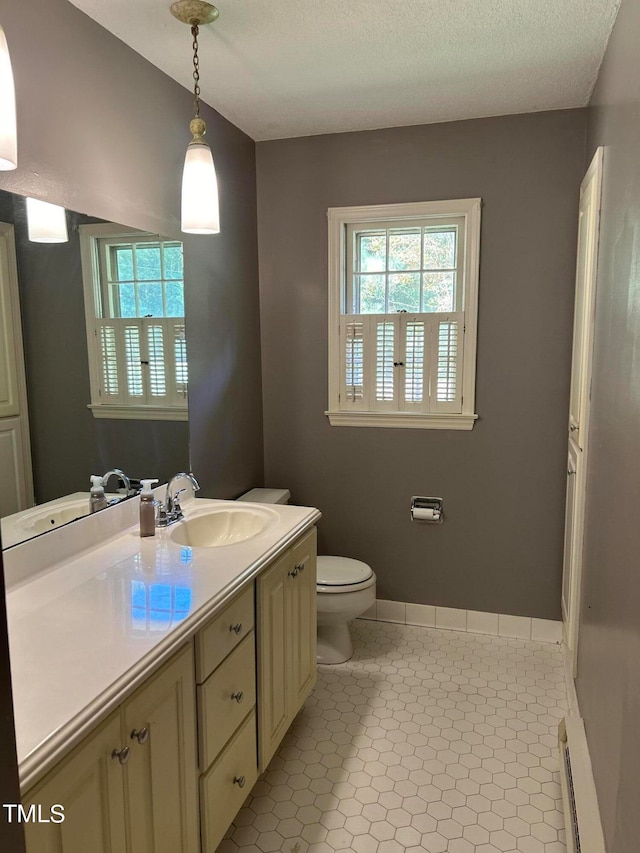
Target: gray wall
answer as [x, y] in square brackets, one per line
[503, 484]
[609, 652]
[104, 132]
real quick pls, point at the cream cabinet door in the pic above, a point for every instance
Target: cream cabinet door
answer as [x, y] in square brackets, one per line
[160, 730]
[90, 787]
[286, 638]
[301, 622]
[273, 707]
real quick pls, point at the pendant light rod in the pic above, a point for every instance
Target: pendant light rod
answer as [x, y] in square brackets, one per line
[196, 70]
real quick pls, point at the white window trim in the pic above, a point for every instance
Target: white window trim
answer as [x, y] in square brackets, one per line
[139, 413]
[90, 263]
[339, 218]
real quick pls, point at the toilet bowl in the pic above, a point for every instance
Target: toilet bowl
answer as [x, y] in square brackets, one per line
[346, 588]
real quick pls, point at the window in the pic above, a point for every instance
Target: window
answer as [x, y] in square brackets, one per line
[403, 297]
[134, 307]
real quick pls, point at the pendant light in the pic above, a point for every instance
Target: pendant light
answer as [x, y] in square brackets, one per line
[200, 211]
[46, 223]
[8, 134]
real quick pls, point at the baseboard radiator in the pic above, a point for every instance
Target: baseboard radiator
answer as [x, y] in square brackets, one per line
[581, 813]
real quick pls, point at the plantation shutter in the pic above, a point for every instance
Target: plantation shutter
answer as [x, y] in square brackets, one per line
[384, 335]
[354, 332]
[446, 362]
[106, 338]
[142, 361]
[178, 372]
[402, 362]
[414, 376]
[132, 356]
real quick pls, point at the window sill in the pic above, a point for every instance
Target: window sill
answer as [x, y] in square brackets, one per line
[402, 420]
[140, 413]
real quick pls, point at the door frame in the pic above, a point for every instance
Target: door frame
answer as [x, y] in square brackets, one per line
[578, 441]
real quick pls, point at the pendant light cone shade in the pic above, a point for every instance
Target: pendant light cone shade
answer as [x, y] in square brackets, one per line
[8, 133]
[46, 223]
[200, 209]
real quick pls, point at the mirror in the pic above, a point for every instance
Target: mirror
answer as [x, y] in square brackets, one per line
[67, 441]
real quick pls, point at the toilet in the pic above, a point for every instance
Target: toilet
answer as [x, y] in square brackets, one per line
[346, 589]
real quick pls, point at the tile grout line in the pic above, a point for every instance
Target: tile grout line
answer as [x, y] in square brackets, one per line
[426, 741]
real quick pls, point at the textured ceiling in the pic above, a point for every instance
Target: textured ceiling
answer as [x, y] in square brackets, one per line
[280, 68]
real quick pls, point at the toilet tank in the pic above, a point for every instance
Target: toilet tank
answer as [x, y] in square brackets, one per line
[266, 496]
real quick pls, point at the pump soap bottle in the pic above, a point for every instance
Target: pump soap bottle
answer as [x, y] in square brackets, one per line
[147, 509]
[97, 499]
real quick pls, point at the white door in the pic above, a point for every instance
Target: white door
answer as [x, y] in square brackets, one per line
[15, 454]
[584, 313]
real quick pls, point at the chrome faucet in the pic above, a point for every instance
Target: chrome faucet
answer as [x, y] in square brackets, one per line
[126, 482]
[171, 511]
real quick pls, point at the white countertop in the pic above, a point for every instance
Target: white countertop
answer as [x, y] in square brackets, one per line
[85, 632]
[45, 517]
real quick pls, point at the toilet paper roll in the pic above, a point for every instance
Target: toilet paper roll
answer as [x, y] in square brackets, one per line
[425, 514]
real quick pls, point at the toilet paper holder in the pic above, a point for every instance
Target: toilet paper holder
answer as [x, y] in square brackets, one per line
[427, 510]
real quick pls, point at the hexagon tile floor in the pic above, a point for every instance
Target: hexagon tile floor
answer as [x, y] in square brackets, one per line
[427, 740]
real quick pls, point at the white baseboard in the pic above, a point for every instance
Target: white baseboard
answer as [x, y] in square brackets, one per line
[579, 798]
[472, 621]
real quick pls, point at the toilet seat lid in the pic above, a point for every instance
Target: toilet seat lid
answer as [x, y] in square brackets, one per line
[342, 571]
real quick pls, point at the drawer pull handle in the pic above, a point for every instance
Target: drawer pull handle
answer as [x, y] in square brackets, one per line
[300, 567]
[239, 696]
[239, 781]
[236, 628]
[293, 573]
[141, 735]
[121, 754]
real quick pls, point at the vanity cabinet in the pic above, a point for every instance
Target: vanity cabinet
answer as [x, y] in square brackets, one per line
[226, 699]
[286, 621]
[239, 728]
[169, 770]
[132, 784]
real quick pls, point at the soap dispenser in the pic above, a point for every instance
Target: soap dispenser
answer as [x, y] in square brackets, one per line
[97, 499]
[147, 509]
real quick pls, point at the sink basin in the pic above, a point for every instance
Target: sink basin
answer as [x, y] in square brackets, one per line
[42, 520]
[222, 527]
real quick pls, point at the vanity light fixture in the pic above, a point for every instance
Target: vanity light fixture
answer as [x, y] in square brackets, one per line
[46, 222]
[8, 133]
[200, 210]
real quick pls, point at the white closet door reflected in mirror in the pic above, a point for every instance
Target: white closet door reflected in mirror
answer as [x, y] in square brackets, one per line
[15, 452]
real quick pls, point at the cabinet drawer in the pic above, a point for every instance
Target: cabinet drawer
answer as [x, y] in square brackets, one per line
[219, 711]
[223, 634]
[220, 797]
